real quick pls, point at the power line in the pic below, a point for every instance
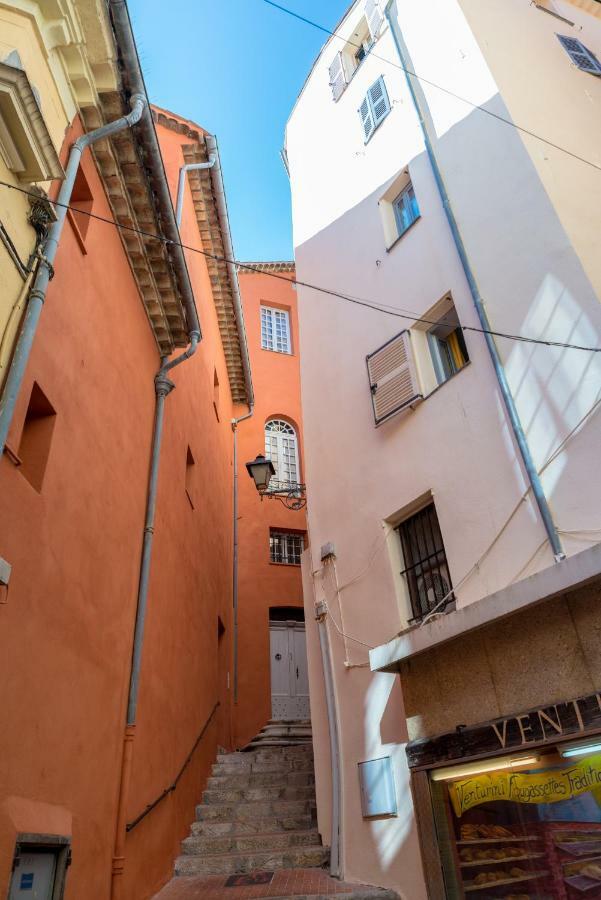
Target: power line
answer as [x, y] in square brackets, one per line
[376, 306]
[439, 87]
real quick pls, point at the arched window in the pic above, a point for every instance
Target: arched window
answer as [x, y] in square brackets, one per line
[281, 447]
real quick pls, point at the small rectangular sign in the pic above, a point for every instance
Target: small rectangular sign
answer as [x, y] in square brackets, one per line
[26, 881]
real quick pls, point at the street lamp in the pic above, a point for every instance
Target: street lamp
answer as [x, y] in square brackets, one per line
[261, 471]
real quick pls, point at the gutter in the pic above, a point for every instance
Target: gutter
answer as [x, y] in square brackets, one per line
[511, 409]
[134, 81]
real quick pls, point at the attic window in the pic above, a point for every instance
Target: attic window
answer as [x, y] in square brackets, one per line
[348, 60]
[81, 205]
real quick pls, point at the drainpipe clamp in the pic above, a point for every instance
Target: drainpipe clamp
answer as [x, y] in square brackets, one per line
[163, 385]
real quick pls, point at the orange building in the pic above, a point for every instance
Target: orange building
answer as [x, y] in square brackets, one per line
[84, 782]
[270, 679]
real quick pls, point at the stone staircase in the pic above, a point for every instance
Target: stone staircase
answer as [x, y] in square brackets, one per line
[258, 811]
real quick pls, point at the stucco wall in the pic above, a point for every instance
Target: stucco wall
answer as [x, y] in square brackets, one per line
[545, 655]
[262, 584]
[456, 446]
[68, 616]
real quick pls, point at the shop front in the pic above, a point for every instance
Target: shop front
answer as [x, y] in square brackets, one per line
[511, 809]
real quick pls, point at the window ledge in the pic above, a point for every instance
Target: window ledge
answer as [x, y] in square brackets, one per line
[288, 565]
[401, 236]
[278, 352]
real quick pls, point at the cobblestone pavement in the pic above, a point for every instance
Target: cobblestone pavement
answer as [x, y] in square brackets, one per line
[286, 883]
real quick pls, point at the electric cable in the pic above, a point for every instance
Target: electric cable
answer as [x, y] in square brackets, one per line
[376, 305]
[439, 87]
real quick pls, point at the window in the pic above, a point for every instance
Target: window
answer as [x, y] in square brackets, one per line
[216, 393]
[375, 108]
[447, 346]
[286, 547]
[275, 330]
[34, 448]
[190, 477]
[81, 202]
[393, 378]
[580, 55]
[426, 571]
[406, 209]
[282, 449]
[348, 60]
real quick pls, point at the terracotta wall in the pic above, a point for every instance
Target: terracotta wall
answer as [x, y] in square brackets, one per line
[276, 379]
[66, 622]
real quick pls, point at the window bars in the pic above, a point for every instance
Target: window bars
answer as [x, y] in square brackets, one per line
[426, 570]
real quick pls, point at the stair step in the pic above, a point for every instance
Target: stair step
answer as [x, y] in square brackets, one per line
[230, 863]
[269, 824]
[253, 779]
[259, 794]
[257, 810]
[271, 754]
[265, 766]
[249, 843]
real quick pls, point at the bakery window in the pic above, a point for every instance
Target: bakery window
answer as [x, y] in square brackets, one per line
[521, 827]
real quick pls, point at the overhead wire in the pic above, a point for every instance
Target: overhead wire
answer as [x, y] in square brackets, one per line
[439, 87]
[377, 306]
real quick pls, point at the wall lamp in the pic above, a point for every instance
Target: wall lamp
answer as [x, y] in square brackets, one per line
[262, 470]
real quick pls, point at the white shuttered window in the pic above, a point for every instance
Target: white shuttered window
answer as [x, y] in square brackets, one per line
[374, 18]
[275, 330]
[580, 55]
[337, 76]
[393, 378]
[375, 108]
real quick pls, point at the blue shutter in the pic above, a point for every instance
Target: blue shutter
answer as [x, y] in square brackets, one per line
[379, 101]
[366, 118]
[374, 18]
[580, 56]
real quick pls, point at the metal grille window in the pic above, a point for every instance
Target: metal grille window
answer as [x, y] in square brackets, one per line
[426, 570]
[281, 447]
[286, 547]
[275, 330]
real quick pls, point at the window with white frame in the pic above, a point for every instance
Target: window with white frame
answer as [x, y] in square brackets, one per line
[347, 61]
[580, 55]
[281, 447]
[275, 330]
[375, 108]
[285, 547]
[406, 209]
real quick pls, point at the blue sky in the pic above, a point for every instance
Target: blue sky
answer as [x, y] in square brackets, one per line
[236, 67]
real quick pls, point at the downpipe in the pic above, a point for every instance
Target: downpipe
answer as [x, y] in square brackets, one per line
[235, 423]
[163, 387]
[512, 412]
[326, 662]
[189, 167]
[45, 270]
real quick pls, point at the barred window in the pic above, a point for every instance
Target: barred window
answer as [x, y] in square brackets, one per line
[275, 330]
[426, 570]
[286, 547]
[281, 447]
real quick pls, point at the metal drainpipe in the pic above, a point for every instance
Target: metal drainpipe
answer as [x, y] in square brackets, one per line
[189, 167]
[514, 418]
[37, 295]
[326, 661]
[219, 191]
[235, 423]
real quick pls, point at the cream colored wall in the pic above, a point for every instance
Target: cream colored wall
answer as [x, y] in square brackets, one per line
[457, 444]
[66, 50]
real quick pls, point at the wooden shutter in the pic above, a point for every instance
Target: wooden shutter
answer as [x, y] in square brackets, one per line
[378, 98]
[393, 378]
[366, 118]
[579, 55]
[337, 76]
[374, 18]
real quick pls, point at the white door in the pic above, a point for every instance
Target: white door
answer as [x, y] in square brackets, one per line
[289, 677]
[33, 878]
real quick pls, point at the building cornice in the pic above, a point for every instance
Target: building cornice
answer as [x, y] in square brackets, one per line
[256, 268]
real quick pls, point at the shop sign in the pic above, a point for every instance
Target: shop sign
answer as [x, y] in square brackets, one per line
[526, 787]
[548, 723]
